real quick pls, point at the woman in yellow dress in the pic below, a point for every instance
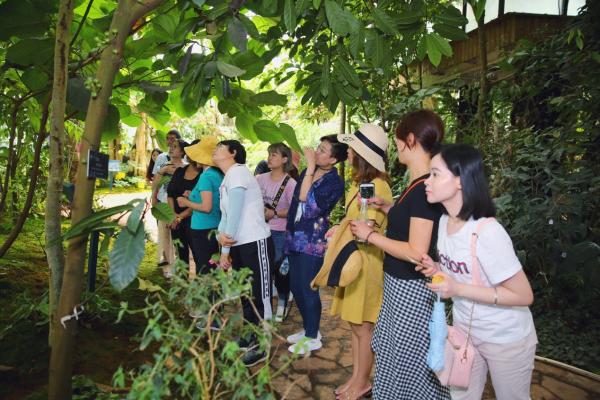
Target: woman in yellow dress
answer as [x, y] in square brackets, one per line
[359, 302]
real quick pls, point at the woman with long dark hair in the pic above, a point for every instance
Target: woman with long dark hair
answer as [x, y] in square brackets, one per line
[401, 337]
[359, 302]
[150, 169]
[184, 179]
[489, 300]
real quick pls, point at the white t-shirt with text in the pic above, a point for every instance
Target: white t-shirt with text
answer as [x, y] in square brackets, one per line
[252, 220]
[498, 262]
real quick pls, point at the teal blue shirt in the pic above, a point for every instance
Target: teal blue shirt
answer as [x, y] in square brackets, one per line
[209, 181]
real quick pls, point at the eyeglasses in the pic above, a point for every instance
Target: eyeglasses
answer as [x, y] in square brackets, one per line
[323, 149]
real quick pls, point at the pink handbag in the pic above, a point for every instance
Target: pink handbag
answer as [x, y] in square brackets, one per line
[459, 352]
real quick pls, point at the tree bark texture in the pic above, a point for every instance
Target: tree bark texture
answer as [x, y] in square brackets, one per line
[63, 343]
[54, 248]
[11, 156]
[33, 176]
[484, 86]
[141, 134]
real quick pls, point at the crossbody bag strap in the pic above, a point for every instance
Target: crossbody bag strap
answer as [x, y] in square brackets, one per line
[475, 269]
[280, 192]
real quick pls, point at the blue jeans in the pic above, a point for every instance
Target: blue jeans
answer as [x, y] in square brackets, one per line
[303, 269]
[282, 283]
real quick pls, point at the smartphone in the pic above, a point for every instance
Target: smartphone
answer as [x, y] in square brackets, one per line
[367, 190]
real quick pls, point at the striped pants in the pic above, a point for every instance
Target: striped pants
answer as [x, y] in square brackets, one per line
[258, 257]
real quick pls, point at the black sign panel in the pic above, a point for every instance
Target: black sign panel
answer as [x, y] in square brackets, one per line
[97, 165]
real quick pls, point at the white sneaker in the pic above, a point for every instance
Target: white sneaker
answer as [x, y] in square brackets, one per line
[305, 346]
[279, 313]
[296, 337]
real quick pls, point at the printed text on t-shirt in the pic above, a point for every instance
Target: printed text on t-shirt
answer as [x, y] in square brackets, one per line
[459, 267]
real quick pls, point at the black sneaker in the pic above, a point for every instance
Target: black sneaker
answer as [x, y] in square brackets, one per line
[246, 344]
[253, 357]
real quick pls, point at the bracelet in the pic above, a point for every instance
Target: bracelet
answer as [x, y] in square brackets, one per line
[368, 236]
[495, 296]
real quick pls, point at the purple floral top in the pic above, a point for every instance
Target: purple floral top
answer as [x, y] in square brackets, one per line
[308, 222]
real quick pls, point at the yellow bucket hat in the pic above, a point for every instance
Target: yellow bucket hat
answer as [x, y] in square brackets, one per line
[201, 152]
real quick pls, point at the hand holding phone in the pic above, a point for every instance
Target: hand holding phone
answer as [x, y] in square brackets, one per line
[366, 190]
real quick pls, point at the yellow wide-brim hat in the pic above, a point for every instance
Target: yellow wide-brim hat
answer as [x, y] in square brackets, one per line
[202, 151]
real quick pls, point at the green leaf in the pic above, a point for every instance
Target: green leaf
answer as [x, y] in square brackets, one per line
[337, 18]
[133, 222]
[249, 25]
[24, 18]
[316, 4]
[435, 56]
[342, 66]
[267, 131]
[407, 18]
[374, 47]
[244, 123]
[86, 225]
[30, 52]
[451, 16]
[302, 5]
[440, 43]
[163, 212]
[289, 16]
[237, 34]
[35, 79]
[270, 98]
[290, 136]
[422, 48]
[165, 25]
[384, 22]
[325, 78]
[357, 42]
[450, 32]
[250, 62]
[125, 257]
[229, 70]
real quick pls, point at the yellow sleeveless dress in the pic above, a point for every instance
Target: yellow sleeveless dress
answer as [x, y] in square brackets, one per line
[361, 300]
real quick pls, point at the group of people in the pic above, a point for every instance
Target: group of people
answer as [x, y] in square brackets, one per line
[434, 227]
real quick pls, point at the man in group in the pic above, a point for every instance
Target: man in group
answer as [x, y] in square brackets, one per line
[166, 251]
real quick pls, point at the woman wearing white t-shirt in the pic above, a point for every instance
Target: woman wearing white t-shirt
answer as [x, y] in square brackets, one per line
[245, 237]
[502, 327]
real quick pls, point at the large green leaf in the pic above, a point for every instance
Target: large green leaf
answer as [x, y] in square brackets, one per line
[450, 32]
[229, 70]
[30, 52]
[357, 42]
[244, 123]
[111, 127]
[345, 69]
[440, 43]
[374, 47]
[435, 56]
[237, 34]
[86, 225]
[384, 22]
[35, 79]
[24, 18]
[290, 136]
[451, 16]
[407, 18]
[125, 257]
[163, 212]
[270, 98]
[267, 131]
[250, 62]
[134, 219]
[337, 18]
[325, 78]
[289, 15]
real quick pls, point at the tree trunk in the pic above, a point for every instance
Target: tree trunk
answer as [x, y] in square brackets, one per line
[33, 176]
[54, 248]
[63, 343]
[10, 157]
[484, 87]
[141, 134]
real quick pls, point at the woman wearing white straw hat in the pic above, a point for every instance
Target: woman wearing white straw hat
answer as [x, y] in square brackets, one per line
[401, 337]
[360, 301]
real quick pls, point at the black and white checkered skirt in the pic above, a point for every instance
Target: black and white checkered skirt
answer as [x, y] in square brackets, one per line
[400, 343]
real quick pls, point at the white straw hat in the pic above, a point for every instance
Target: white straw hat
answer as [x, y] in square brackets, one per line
[370, 142]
